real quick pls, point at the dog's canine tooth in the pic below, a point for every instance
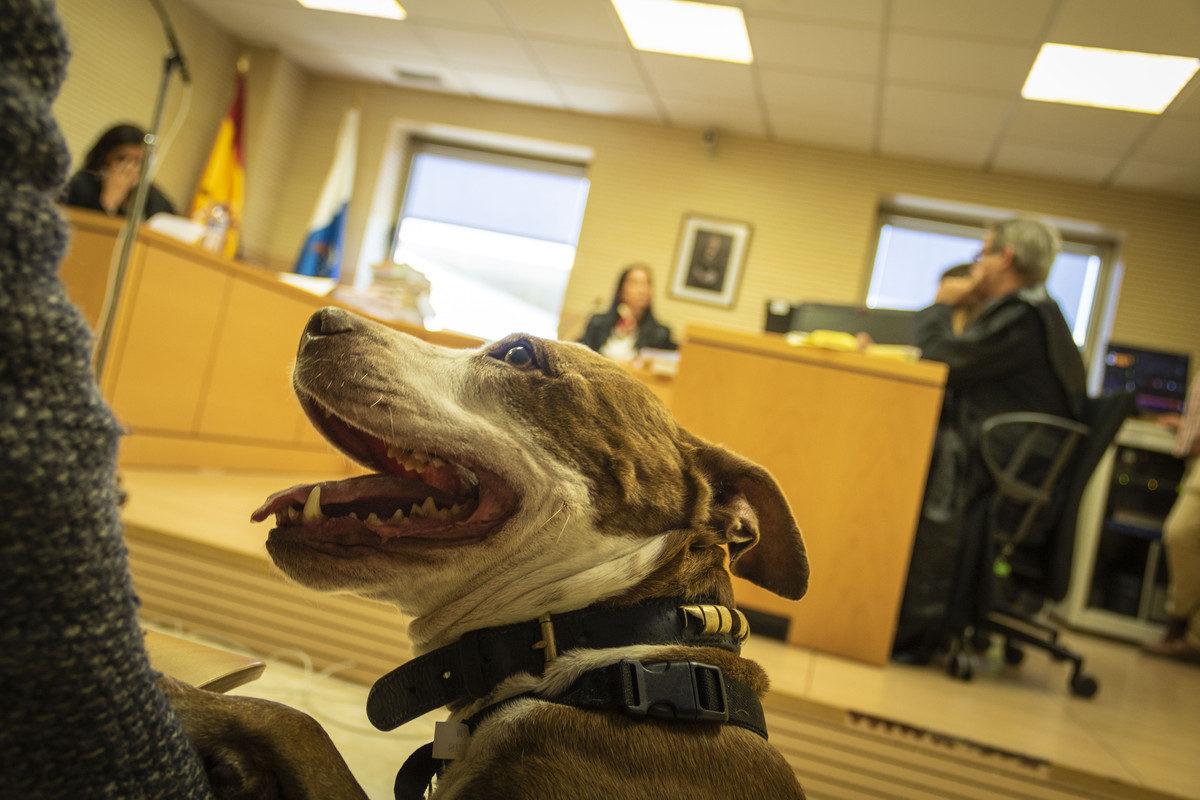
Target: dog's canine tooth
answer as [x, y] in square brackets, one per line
[374, 518]
[312, 506]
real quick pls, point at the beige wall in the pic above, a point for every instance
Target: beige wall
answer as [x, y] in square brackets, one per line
[813, 211]
[116, 64]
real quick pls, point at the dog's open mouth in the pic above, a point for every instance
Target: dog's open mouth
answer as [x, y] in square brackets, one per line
[413, 494]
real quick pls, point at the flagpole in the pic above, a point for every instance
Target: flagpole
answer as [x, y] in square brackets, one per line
[116, 272]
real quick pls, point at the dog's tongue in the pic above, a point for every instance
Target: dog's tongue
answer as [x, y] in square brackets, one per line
[353, 490]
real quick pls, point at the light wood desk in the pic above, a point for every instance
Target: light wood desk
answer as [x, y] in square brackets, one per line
[848, 436]
[198, 366]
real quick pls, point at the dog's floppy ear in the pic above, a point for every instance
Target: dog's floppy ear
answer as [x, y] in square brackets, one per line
[748, 507]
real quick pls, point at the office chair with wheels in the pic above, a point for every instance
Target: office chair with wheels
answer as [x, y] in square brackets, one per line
[1026, 562]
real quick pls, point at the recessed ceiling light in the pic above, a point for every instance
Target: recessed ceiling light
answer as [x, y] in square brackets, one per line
[702, 30]
[388, 9]
[1120, 79]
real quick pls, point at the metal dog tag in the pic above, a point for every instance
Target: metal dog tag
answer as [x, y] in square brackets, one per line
[450, 739]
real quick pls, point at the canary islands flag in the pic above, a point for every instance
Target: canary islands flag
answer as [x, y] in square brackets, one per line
[224, 176]
[321, 254]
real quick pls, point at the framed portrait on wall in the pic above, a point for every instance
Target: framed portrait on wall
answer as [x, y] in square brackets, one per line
[709, 259]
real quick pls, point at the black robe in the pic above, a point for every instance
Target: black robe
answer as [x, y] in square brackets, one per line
[1017, 355]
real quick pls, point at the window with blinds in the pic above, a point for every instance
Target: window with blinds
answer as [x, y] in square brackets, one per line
[495, 233]
[913, 253]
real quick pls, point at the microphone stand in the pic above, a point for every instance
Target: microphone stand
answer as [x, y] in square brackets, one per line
[133, 218]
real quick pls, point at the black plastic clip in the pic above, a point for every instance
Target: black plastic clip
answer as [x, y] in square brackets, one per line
[685, 690]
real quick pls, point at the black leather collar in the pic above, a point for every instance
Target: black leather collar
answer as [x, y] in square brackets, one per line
[475, 664]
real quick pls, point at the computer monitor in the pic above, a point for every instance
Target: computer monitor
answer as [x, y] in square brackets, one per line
[884, 325]
[1158, 378]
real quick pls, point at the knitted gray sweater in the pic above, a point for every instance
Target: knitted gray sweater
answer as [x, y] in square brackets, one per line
[80, 715]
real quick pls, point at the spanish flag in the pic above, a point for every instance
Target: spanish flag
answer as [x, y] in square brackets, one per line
[221, 186]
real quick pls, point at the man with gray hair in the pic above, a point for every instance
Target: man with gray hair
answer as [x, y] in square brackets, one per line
[1016, 354]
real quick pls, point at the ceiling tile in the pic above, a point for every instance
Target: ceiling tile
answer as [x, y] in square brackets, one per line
[477, 49]
[1096, 131]
[841, 97]
[382, 70]
[614, 102]
[578, 20]
[581, 63]
[1171, 27]
[1171, 140]
[957, 63]
[686, 112]
[1159, 176]
[700, 78]
[862, 12]
[935, 145]
[822, 130]
[1014, 20]
[455, 13]
[824, 49]
[1187, 103]
[950, 112]
[1062, 163]
[493, 85]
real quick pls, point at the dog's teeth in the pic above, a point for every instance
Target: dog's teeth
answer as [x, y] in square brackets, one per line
[398, 516]
[353, 515]
[373, 518]
[394, 452]
[455, 510]
[428, 508]
[436, 462]
[312, 506]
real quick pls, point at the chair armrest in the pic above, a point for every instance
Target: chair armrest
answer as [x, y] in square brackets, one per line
[1007, 482]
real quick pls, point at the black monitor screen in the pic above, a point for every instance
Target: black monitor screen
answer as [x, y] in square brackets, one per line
[885, 325]
[1159, 379]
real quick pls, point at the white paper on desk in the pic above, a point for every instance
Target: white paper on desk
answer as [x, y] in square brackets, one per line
[177, 227]
[309, 283]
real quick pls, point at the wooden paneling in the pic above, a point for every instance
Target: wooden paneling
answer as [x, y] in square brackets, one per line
[84, 267]
[201, 352]
[848, 437]
[250, 391]
[173, 308]
[148, 448]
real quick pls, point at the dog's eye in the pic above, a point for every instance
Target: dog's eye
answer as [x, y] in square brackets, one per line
[519, 356]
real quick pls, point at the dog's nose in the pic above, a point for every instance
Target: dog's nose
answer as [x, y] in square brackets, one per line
[330, 322]
[327, 322]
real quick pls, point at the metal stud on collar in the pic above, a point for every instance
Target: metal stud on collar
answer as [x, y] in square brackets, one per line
[719, 620]
[547, 645]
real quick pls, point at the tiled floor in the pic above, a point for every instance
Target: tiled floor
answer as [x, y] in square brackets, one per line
[1143, 727]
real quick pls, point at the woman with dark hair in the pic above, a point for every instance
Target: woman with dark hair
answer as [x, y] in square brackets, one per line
[629, 324]
[110, 175]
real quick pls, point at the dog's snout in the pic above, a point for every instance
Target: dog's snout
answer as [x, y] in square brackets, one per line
[327, 322]
[330, 322]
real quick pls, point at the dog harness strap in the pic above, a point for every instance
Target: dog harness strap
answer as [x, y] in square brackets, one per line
[471, 667]
[415, 776]
[685, 691]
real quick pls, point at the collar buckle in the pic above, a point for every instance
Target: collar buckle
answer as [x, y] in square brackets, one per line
[683, 690]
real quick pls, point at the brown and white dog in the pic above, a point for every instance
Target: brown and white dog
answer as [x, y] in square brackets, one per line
[528, 478]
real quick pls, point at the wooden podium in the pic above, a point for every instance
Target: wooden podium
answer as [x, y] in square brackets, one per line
[848, 436]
